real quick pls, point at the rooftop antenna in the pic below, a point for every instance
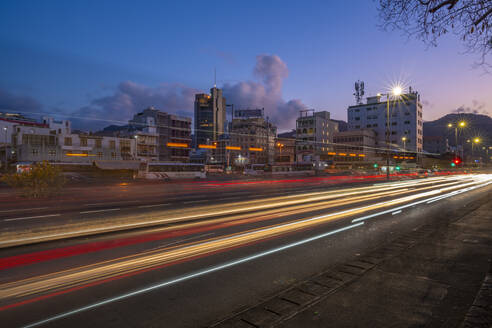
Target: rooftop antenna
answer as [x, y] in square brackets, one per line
[359, 92]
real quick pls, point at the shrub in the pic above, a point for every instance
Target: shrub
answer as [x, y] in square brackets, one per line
[42, 180]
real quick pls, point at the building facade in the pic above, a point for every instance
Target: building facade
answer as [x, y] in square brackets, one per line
[314, 135]
[210, 117]
[173, 133]
[436, 145]
[8, 124]
[54, 141]
[354, 148]
[254, 139]
[405, 121]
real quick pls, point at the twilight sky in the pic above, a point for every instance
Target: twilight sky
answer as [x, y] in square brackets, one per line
[98, 62]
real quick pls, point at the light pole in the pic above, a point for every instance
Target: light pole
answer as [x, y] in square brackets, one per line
[6, 160]
[280, 146]
[474, 141]
[404, 139]
[457, 125]
[396, 92]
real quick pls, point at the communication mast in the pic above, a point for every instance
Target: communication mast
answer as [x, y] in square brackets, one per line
[359, 92]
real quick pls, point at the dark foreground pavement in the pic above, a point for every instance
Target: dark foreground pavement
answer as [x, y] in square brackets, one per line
[434, 276]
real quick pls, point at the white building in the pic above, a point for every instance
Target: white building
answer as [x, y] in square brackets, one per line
[53, 141]
[406, 127]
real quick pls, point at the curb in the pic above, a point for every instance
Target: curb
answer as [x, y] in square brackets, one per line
[480, 313]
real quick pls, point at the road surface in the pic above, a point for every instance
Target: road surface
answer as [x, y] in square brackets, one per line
[191, 262]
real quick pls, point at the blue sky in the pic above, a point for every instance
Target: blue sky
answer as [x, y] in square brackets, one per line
[72, 56]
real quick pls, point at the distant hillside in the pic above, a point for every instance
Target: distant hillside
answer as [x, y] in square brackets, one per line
[477, 125]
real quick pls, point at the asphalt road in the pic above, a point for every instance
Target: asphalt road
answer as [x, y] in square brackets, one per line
[210, 257]
[94, 201]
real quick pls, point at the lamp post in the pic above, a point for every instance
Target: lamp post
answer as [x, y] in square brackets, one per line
[6, 160]
[280, 146]
[396, 92]
[457, 125]
[474, 141]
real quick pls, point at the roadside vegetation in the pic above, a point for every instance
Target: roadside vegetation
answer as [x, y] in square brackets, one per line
[42, 180]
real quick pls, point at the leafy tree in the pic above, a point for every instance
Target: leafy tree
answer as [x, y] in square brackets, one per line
[428, 20]
[42, 180]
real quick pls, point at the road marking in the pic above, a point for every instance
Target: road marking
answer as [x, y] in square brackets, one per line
[153, 205]
[189, 276]
[33, 217]
[97, 211]
[423, 201]
[113, 203]
[396, 212]
[23, 209]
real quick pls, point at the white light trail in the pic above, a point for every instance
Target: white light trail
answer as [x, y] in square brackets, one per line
[190, 276]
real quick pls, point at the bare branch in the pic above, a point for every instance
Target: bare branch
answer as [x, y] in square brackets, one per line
[428, 20]
[451, 4]
[478, 21]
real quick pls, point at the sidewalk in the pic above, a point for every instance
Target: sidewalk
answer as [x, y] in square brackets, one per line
[432, 284]
[427, 278]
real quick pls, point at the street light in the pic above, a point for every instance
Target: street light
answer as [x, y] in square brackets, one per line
[6, 160]
[396, 92]
[404, 139]
[474, 141]
[456, 125]
[280, 146]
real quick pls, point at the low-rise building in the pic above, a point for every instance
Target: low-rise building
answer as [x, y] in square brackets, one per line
[253, 138]
[54, 141]
[8, 126]
[436, 144]
[354, 148]
[285, 148]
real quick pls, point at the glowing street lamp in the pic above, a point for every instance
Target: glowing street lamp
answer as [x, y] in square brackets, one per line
[280, 146]
[456, 125]
[475, 141]
[404, 139]
[396, 91]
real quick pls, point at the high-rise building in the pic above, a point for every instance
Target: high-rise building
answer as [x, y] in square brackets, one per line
[405, 121]
[210, 117]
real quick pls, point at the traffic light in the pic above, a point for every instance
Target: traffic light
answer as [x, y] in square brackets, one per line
[452, 164]
[397, 168]
[375, 165]
[456, 160]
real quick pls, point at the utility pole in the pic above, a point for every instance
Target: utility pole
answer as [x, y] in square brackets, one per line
[6, 158]
[268, 142]
[387, 136]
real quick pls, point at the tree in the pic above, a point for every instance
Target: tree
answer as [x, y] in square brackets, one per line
[42, 180]
[428, 20]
